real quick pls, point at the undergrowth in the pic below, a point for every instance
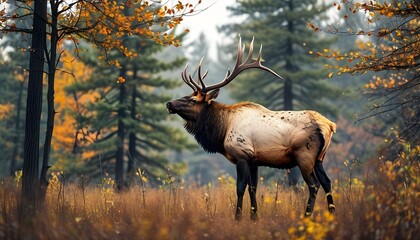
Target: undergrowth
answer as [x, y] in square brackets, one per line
[380, 205]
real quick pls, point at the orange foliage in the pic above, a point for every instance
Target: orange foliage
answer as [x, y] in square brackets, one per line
[398, 46]
[68, 105]
[109, 23]
[106, 24]
[389, 45]
[5, 110]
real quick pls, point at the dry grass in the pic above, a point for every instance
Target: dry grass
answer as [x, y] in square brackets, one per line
[386, 208]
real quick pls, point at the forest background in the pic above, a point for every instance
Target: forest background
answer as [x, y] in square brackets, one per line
[355, 62]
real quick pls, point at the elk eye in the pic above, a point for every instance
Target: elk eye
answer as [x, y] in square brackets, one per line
[192, 100]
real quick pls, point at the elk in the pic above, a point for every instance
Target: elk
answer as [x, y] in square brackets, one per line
[249, 135]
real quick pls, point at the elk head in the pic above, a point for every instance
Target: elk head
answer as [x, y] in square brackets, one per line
[189, 107]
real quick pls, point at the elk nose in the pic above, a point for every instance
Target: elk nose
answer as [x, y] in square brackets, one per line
[169, 108]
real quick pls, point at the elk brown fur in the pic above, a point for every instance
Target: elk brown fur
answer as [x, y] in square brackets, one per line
[250, 135]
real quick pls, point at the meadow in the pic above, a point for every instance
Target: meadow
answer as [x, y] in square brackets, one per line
[380, 205]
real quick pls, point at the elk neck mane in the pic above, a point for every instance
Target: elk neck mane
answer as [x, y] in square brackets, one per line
[210, 128]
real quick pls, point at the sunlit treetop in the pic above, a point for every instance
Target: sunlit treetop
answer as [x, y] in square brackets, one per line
[106, 24]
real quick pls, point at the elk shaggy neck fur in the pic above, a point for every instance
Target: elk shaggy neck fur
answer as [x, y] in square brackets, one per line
[209, 129]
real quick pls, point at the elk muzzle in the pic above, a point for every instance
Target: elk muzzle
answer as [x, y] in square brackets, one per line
[170, 107]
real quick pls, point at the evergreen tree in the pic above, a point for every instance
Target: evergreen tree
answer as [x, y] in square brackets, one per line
[105, 25]
[130, 114]
[282, 28]
[13, 72]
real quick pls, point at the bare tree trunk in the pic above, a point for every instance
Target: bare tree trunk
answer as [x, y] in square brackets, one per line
[132, 137]
[119, 163]
[51, 60]
[131, 168]
[16, 137]
[30, 180]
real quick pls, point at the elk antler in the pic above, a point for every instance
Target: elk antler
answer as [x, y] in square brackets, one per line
[230, 75]
[190, 81]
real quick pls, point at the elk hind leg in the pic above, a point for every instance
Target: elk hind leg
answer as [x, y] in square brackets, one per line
[325, 183]
[243, 174]
[313, 185]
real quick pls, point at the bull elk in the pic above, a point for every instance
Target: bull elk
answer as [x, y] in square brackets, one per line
[249, 135]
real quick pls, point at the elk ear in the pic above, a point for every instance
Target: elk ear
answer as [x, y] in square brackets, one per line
[212, 95]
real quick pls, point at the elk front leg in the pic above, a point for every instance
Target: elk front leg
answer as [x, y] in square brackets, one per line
[242, 171]
[252, 188]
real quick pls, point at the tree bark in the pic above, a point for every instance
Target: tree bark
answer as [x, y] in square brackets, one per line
[16, 137]
[30, 181]
[119, 163]
[132, 136]
[51, 60]
[132, 140]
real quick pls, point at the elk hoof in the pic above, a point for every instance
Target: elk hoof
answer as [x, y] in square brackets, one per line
[331, 208]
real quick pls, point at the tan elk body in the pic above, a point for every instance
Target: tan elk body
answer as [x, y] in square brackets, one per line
[270, 137]
[249, 135]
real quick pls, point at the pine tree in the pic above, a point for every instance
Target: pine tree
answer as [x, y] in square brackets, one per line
[130, 113]
[13, 72]
[71, 106]
[282, 28]
[103, 24]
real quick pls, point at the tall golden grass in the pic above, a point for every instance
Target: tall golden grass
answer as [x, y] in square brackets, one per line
[384, 205]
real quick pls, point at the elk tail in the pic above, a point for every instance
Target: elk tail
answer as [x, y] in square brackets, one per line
[327, 128]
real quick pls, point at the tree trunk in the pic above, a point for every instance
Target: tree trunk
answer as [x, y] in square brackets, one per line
[131, 168]
[288, 88]
[132, 137]
[119, 163]
[51, 60]
[16, 137]
[288, 94]
[30, 181]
